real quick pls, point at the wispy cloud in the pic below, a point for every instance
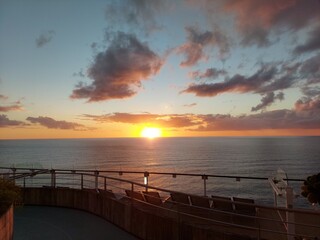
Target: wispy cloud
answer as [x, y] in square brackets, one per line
[256, 20]
[267, 100]
[6, 122]
[210, 73]
[137, 14]
[44, 38]
[119, 71]
[55, 124]
[309, 104]
[190, 105]
[3, 97]
[193, 49]
[13, 107]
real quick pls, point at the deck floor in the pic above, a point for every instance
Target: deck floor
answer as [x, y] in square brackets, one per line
[39, 222]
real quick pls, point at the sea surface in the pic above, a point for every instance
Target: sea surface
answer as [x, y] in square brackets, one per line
[299, 157]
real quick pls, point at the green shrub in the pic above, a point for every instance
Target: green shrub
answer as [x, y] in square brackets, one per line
[9, 193]
[311, 189]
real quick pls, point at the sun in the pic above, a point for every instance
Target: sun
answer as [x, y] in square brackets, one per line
[151, 132]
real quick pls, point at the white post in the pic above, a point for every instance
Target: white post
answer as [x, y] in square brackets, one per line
[204, 177]
[146, 180]
[14, 174]
[96, 180]
[290, 215]
[53, 178]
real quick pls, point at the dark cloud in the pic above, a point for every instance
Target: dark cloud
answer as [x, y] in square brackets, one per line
[311, 91]
[270, 77]
[44, 38]
[257, 19]
[193, 49]
[255, 35]
[311, 68]
[312, 44]
[238, 83]
[51, 123]
[119, 69]
[209, 73]
[278, 83]
[267, 100]
[278, 119]
[6, 122]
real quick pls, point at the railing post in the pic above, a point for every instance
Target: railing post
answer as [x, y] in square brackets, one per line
[81, 181]
[146, 176]
[105, 183]
[96, 180]
[14, 174]
[53, 178]
[290, 215]
[204, 177]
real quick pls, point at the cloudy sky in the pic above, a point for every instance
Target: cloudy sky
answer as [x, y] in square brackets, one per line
[73, 68]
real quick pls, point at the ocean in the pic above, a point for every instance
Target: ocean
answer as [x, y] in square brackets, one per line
[299, 157]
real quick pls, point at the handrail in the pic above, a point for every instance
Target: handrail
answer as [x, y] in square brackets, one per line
[95, 174]
[174, 174]
[85, 173]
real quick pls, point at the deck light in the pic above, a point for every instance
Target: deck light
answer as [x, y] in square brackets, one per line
[145, 179]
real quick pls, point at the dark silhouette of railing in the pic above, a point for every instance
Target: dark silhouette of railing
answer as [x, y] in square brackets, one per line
[100, 180]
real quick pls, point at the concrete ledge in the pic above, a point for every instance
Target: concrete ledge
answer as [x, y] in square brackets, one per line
[6, 225]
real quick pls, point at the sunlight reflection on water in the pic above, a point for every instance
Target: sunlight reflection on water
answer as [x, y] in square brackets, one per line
[255, 156]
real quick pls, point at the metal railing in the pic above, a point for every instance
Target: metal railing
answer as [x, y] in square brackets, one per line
[94, 179]
[144, 174]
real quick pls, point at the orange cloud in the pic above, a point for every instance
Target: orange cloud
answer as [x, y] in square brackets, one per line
[118, 71]
[308, 104]
[279, 119]
[13, 107]
[167, 120]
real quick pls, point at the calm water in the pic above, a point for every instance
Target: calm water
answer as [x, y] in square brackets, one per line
[256, 156]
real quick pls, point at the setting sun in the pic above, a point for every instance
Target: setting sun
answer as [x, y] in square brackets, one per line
[150, 132]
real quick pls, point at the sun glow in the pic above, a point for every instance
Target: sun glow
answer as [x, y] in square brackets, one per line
[151, 132]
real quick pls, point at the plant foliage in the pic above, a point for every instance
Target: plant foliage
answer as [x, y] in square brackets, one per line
[9, 193]
[311, 189]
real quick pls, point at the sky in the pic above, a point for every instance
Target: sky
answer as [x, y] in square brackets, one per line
[99, 69]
